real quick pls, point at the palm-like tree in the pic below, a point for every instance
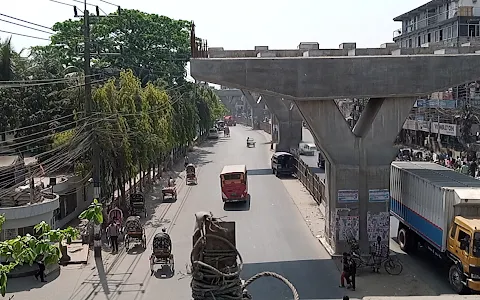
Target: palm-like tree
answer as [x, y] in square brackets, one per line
[6, 65]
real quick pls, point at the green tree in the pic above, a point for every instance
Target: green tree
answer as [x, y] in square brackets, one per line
[111, 134]
[26, 249]
[94, 213]
[153, 46]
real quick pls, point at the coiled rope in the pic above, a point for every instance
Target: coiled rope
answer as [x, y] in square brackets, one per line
[210, 283]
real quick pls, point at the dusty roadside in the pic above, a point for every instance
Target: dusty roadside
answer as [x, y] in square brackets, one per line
[368, 284]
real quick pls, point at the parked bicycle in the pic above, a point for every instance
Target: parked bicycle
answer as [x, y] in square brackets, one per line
[392, 265]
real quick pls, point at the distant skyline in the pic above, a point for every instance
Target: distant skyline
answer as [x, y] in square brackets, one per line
[280, 24]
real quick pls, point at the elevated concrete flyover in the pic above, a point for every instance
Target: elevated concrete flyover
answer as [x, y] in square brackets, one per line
[288, 120]
[230, 97]
[357, 175]
[256, 106]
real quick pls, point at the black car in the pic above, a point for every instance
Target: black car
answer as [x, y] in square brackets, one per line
[283, 163]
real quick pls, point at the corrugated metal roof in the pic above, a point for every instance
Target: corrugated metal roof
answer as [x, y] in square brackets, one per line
[437, 175]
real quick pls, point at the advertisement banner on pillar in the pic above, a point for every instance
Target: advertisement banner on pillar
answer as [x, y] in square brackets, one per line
[381, 195]
[378, 225]
[348, 227]
[347, 196]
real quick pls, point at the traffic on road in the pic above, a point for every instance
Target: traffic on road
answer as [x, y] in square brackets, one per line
[271, 236]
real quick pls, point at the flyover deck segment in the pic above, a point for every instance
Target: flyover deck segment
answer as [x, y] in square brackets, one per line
[359, 160]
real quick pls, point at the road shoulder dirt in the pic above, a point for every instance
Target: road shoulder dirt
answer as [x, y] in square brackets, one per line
[367, 283]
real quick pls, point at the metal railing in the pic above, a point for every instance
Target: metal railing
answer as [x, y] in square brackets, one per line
[310, 180]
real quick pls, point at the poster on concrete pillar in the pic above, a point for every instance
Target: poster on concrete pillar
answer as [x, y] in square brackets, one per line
[378, 224]
[347, 227]
[347, 196]
[382, 195]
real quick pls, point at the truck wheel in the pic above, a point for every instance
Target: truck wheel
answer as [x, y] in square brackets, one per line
[403, 239]
[456, 278]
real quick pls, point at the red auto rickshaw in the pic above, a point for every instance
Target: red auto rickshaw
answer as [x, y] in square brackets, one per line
[234, 183]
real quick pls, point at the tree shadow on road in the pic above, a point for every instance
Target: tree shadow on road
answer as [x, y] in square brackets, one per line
[153, 198]
[313, 279]
[28, 283]
[370, 284]
[255, 172]
[102, 275]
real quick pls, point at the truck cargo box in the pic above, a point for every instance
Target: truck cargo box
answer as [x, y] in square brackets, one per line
[426, 196]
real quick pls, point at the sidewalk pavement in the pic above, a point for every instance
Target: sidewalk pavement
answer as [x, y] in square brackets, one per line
[68, 282]
[367, 283]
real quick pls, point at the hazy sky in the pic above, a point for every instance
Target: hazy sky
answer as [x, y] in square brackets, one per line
[280, 24]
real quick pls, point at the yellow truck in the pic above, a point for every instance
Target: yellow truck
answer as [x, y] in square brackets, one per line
[439, 209]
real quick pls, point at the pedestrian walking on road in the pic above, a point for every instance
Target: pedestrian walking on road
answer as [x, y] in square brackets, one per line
[41, 270]
[345, 269]
[113, 231]
[171, 182]
[352, 271]
[377, 254]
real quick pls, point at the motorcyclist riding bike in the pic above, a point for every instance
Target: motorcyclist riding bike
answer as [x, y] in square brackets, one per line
[186, 161]
[171, 183]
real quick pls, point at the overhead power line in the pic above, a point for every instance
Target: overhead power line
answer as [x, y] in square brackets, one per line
[109, 3]
[24, 21]
[25, 35]
[60, 2]
[25, 26]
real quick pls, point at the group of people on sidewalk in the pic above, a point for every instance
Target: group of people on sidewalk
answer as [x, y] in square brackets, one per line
[349, 271]
[378, 251]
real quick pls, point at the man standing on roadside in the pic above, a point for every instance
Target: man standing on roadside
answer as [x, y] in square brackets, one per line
[345, 270]
[352, 271]
[41, 270]
[113, 231]
[378, 254]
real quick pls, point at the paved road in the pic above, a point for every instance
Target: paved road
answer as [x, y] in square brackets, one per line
[271, 236]
[433, 273]
[311, 160]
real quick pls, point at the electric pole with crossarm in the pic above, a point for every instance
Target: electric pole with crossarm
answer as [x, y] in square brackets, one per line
[87, 53]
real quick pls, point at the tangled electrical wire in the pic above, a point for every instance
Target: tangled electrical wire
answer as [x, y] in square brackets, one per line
[212, 282]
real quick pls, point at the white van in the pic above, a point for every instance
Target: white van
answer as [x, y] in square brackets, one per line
[213, 133]
[307, 149]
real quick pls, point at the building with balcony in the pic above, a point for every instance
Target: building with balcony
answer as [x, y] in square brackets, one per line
[441, 23]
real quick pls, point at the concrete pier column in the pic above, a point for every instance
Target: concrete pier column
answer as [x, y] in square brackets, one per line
[289, 122]
[290, 135]
[256, 108]
[357, 172]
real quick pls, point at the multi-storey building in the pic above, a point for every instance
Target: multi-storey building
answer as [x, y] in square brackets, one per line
[437, 120]
[440, 22]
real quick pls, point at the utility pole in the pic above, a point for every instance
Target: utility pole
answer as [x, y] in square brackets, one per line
[96, 172]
